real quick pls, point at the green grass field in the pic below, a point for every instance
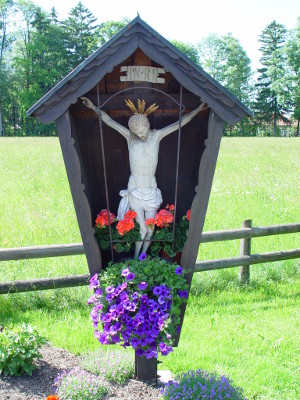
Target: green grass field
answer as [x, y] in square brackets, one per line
[251, 333]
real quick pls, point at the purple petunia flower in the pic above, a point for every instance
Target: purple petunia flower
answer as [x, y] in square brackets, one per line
[157, 290]
[109, 289]
[94, 282]
[139, 352]
[92, 300]
[130, 276]
[143, 309]
[178, 270]
[129, 306]
[134, 296]
[142, 285]
[183, 294]
[164, 349]
[125, 272]
[143, 256]
[94, 314]
[134, 342]
[109, 297]
[144, 298]
[98, 292]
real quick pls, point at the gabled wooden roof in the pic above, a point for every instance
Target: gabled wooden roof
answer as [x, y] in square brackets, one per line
[137, 34]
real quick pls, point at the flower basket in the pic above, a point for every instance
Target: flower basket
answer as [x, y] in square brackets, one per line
[176, 259]
[164, 243]
[137, 303]
[124, 232]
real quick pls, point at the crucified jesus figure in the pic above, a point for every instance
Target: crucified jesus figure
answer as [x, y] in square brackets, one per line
[142, 194]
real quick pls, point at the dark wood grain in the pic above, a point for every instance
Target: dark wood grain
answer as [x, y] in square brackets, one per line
[200, 203]
[81, 203]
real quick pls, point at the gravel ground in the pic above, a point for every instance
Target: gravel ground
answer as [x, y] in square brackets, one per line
[39, 385]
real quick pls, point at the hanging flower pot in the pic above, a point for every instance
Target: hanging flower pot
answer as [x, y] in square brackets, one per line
[137, 303]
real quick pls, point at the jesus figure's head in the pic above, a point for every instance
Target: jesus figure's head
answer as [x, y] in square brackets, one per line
[138, 123]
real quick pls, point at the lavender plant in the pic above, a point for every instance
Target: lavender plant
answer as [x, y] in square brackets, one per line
[200, 384]
[78, 385]
[137, 303]
[115, 366]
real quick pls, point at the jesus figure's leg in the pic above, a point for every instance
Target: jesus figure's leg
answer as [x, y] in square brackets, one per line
[140, 217]
[147, 242]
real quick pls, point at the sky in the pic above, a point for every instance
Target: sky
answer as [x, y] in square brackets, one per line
[191, 20]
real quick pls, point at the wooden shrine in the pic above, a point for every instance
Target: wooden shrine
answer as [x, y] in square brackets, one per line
[138, 63]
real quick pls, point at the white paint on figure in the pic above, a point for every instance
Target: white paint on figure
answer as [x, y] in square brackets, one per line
[142, 194]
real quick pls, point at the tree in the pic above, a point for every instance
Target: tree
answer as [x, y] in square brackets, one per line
[211, 56]
[39, 63]
[6, 39]
[269, 103]
[109, 28]
[293, 53]
[188, 49]
[226, 61]
[81, 34]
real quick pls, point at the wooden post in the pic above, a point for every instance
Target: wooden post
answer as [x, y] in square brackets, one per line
[145, 369]
[244, 271]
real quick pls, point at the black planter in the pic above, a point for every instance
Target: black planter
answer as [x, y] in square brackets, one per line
[145, 369]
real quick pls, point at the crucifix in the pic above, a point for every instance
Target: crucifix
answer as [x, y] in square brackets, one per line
[142, 194]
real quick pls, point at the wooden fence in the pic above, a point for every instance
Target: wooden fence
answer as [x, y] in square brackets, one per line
[246, 233]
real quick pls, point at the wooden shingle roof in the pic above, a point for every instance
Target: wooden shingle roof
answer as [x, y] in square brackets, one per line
[137, 34]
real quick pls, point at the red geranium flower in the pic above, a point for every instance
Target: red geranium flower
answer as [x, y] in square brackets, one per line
[150, 222]
[130, 214]
[188, 215]
[52, 397]
[125, 225]
[102, 219]
[163, 218]
[170, 207]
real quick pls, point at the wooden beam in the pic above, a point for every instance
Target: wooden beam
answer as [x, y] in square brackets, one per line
[25, 253]
[246, 260]
[199, 206]
[43, 284]
[81, 203]
[242, 233]
[60, 250]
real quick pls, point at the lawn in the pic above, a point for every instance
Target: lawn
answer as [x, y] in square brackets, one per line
[249, 333]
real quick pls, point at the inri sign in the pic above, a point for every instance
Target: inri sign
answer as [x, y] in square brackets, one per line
[141, 73]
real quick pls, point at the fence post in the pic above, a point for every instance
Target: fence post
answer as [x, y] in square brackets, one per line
[244, 271]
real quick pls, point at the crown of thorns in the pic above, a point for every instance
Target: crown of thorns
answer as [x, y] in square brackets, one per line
[141, 105]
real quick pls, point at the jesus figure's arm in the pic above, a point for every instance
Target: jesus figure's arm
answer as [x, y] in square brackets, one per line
[106, 119]
[185, 119]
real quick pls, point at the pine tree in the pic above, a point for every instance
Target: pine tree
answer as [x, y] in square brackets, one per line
[293, 76]
[81, 34]
[269, 104]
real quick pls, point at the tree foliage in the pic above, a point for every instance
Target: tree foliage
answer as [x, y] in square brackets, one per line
[81, 34]
[271, 84]
[293, 77]
[226, 61]
[188, 49]
[38, 51]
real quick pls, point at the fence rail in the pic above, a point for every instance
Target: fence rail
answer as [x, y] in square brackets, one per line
[246, 233]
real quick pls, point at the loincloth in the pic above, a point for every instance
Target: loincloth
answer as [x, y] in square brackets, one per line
[145, 199]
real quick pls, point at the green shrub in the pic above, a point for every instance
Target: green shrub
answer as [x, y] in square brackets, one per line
[19, 348]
